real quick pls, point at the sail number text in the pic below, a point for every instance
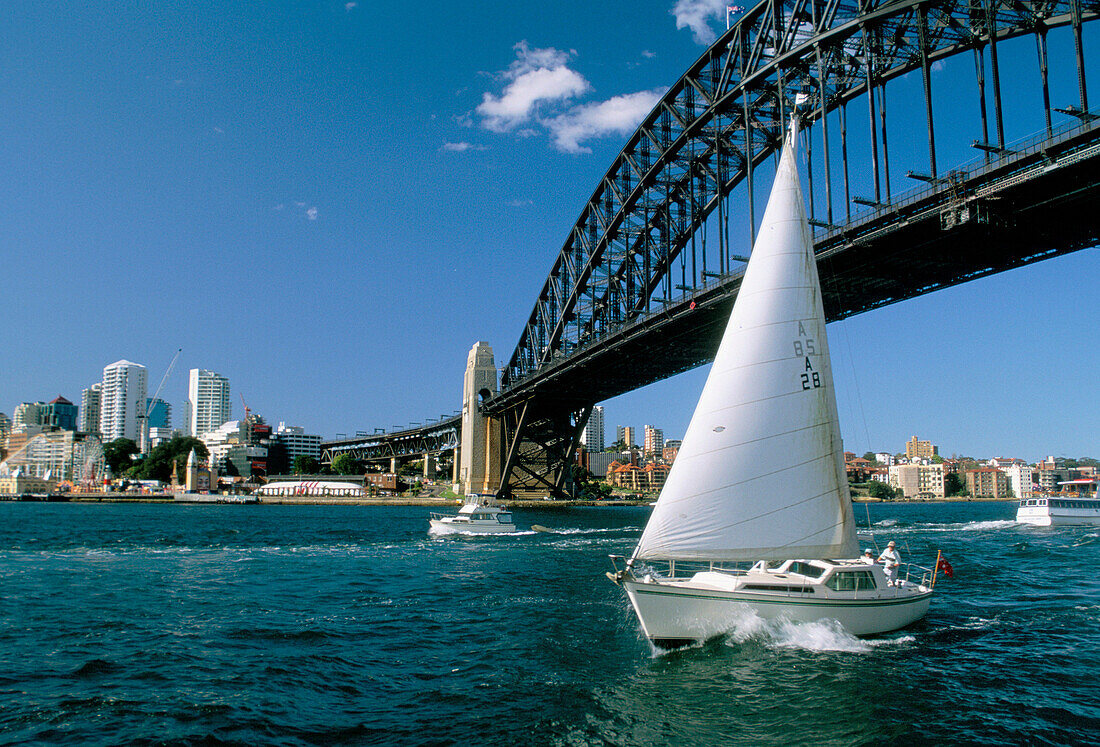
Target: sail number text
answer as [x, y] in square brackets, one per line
[804, 348]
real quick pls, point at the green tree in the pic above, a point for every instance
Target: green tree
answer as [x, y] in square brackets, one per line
[882, 491]
[118, 455]
[305, 465]
[157, 465]
[870, 456]
[953, 484]
[346, 464]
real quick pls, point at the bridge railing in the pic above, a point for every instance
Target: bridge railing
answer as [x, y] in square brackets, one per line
[978, 166]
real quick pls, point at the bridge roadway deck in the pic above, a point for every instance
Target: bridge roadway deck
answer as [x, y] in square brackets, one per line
[1033, 205]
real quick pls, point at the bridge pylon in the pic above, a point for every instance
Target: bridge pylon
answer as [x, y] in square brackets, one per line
[478, 462]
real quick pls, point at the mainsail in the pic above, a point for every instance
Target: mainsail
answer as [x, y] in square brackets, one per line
[760, 474]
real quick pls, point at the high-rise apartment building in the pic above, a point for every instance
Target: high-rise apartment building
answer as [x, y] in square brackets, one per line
[90, 402]
[915, 449]
[654, 445]
[27, 415]
[122, 400]
[593, 436]
[208, 401]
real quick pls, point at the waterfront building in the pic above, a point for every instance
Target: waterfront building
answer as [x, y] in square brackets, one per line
[55, 455]
[17, 483]
[59, 413]
[592, 438]
[596, 462]
[122, 400]
[915, 449]
[987, 482]
[1020, 478]
[919, 481]
[5, 427]
[672, 448]
[296, 442]
[1050, 472]
[654, 443]
[886, 460]
[208, 401]
[90, 402]
[239, 447]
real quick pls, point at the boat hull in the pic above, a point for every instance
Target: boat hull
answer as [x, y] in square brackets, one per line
[441, 526]
[1045, 516]
[676, 614]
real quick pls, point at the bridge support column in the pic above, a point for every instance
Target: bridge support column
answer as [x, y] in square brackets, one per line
[478, 459]
[393, 465]
[429, 466]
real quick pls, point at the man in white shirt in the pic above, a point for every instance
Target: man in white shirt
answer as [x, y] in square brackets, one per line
[890, 560]
[867, 557]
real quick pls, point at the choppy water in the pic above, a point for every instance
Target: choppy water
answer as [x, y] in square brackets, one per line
[166, 624]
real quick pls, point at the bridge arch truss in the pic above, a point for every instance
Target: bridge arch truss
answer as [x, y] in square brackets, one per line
[633, 248]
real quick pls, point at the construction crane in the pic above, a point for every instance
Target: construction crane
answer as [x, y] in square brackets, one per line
[246, 422]
[143, 425]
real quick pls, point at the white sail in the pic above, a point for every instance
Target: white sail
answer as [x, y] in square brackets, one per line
[760, 474]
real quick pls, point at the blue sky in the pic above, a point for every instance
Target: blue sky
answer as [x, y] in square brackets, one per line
[330, 202]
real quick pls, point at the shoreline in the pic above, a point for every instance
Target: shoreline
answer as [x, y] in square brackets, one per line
[412, 501]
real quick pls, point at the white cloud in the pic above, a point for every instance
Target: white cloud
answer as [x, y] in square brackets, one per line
[697, 15]
[536, 76]
[462, 147]
[349, 7]
[312, 213]
[620, 115]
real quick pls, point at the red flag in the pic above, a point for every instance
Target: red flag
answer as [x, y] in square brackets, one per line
[945, 567]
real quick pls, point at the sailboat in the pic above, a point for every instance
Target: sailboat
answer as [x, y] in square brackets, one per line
[755, 515]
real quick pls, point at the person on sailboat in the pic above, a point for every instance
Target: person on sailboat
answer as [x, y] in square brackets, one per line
[890, 560]
[867, 557]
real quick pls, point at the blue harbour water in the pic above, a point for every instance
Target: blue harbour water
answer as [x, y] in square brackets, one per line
[173, 624]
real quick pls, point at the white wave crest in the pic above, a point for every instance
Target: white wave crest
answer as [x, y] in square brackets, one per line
[820, 636]
[590, 530]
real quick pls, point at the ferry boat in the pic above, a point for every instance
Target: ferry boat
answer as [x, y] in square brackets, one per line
[480, 514]
[1050, 511]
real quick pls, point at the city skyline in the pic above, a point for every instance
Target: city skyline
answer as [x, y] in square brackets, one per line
[329, 211]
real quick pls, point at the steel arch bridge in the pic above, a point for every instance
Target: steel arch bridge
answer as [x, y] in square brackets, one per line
[636, 266]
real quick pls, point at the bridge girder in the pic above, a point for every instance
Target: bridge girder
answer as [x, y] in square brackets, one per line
[721, 120]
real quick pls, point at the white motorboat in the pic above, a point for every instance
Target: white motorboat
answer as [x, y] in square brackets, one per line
[1050, 511]
[480, 514]
[756, 507]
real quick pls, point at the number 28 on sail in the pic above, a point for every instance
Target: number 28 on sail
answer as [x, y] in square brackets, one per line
[755, 513]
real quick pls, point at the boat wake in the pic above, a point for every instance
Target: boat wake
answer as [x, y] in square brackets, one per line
[589, 530]
[819, 637]
[474, 533]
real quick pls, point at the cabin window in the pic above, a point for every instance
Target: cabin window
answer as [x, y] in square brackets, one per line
[778, 588]
[805, 569]
[504, 518]
[851, 581]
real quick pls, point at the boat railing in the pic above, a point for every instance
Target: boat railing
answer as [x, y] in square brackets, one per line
[912, 570]
[671, 568]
